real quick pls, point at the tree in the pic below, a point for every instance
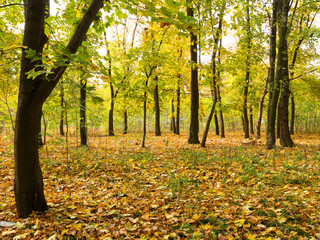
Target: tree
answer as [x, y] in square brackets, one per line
[217, 38]
[194, 116]
[33, 92]
[273, 82]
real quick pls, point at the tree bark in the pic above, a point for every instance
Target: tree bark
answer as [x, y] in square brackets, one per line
[194, 115]
[62, 111]
[28, 183]
[263, 95]
[178, 112]
[125, 122]
[283, 77]
[144, 115]
[247, 77]
[111, 130]
[223, 135]
[83, 117]
[157, 108]
[173, 120]
[216, 122]
[293, 110]
[274, 84]
[251, 120]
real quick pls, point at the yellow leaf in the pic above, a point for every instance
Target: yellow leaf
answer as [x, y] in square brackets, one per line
[251, 237]
[196, 217]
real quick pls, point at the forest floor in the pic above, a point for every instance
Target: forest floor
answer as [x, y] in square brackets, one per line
[114, 189]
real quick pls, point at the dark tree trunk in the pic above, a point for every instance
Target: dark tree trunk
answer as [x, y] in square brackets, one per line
[214, 100]
[111, 131]
[157, 108]
[283, 77]
[28, 183]
[293, 110]
[173, 119]
[219, 95]
[62, 112]
[194, 116]
[251, 120]
[125, 122]
[178, 112]
[223, 135]
[83, 117]
[247, 78]
[278, 119]
[144, 115]
[285, 138]
[273, 80]
[216, 122]
[263, 95]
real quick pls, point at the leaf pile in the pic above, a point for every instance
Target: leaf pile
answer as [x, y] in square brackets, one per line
[114, 189]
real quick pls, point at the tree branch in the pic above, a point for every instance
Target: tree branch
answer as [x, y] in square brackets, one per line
[12, 4]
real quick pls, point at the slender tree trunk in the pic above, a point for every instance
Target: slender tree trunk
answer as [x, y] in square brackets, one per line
[28, 183]
[216, 122]
[223, 135]
[144, 115]
[219, 101]
[293, 108]
[125, 122]
[194, 115]
[62, 109]
[251, 120]
[111, 131]
[247, 78]
[278, 118]
[157, 108]
[40, 142]
[273, 80]
[178, 112]
[263, 95]
[173, 119]
[83, 117]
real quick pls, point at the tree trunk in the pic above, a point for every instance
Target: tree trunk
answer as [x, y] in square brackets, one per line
[263, 95]
[223, 135]
[285, 138]
[216, 122]
[293, 108]
[178, 112]
[283, 69]
[125, 122]
[273, 80]
[83, 117]
[247, 77]
[144, 115]
[28, 183]
[111, 131]
[278, 119]
[62, 109]
[251, 120]
[173, 120]
[157, 108]
[194, 115]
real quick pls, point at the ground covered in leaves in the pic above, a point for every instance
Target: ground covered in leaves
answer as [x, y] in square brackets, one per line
[114, 189]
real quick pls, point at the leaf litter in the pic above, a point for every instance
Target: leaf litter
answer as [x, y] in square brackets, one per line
[114, 189]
